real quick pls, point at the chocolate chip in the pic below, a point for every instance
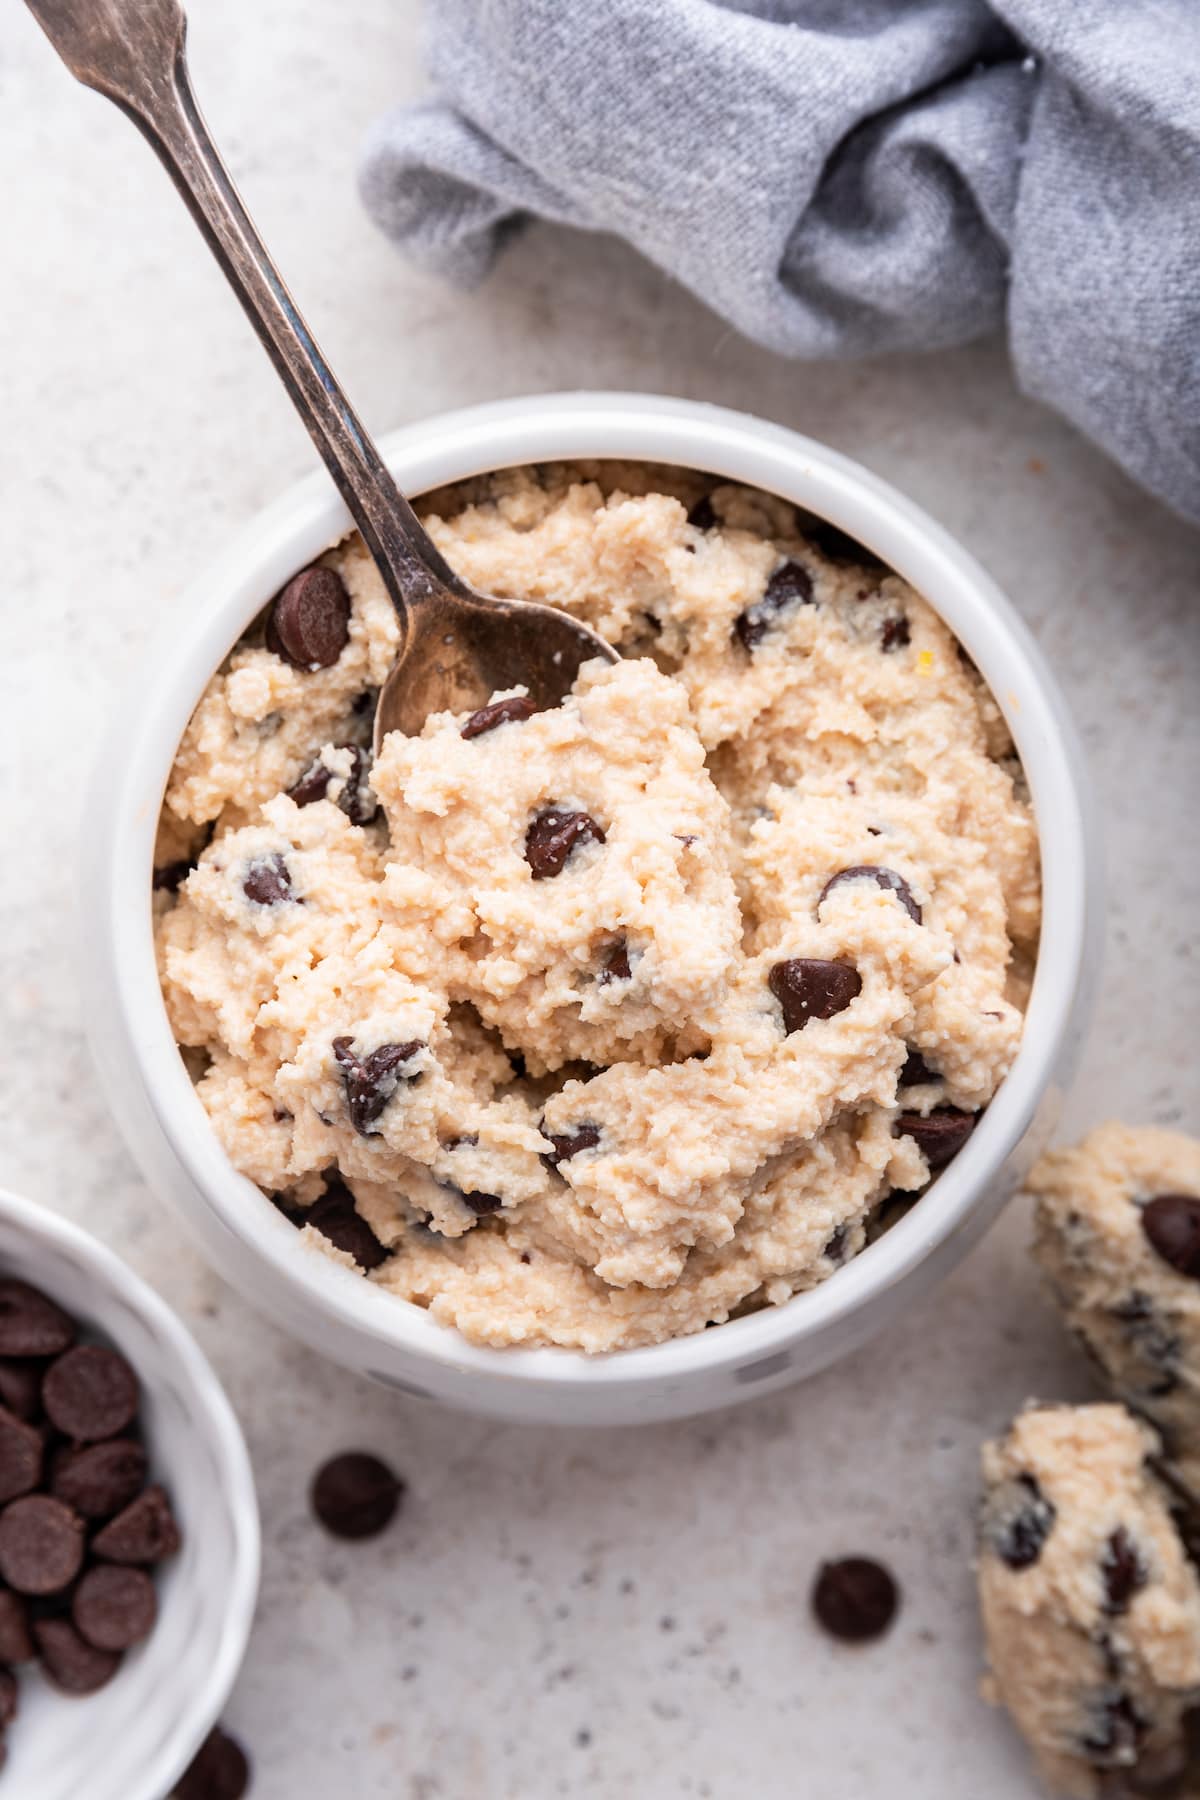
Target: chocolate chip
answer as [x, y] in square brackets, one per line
[835, 1249]
[1116, 1731]
[71, 1663]
[791, 585]
[268, 880]
[1018, 1518]
[808, 988]
[8, 1698]
[1171, 1223]
[219, 1770]
[498, 712]
[145, 1532]
[553, 835]
[480, 1204]
[100, 1479]
[312, 785]
[568, 1144]
[855, 1599]
[114, 1607]
[355, 1495]
[939, 1135]
[167, 878]
[896, 634]
[20, 1456]
[701, 516]
[836, 545]
[90, 1393]
[16, 1644]
[1122, 1570]
[30, 1323]
[336, 1217]
[355, 795]
[916, 1072]
[41, 1544]
[884, 878]
[371, 1080]
[615, 966]
[309, 622]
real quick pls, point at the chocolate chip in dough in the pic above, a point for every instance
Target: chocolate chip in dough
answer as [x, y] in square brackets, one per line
[100, 1479]
[20, 1456]
[498, 712]
[355, 797]
[1018, 1519]
[615, 966]
[855, 1599]
[309, 622]
[145, 1532]
[836, 545]
[701, 516]
[791, 585]
[70, 1662]
[30, 1323]
[371, 1080]
[336, 1217]
[41, 1544]
[569, 1143]
[219, 1771]
[114, 1607]
[312, 785]
[268, 880]
[90, 1393]
[482, 1204]
[916, 1072]
[887, 879]
[355, 1495]
[1171, 1223]
[553, 835]
[8, 1698]
[1122, 1570]
[16, 1644]
[896, 634]
[939, 1135]
[807, 988]
[168, 877]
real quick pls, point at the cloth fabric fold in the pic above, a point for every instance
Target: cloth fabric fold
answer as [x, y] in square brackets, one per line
[848, 177]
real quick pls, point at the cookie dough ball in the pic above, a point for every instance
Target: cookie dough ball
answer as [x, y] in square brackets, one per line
[1118, 1235]
[1091, 1609]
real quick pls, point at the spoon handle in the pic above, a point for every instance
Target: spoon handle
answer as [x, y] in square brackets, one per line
[133, 51]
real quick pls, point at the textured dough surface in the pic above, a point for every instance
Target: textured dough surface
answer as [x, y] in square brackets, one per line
[1138, 1316]
[1091, 1609]
[729, 1164]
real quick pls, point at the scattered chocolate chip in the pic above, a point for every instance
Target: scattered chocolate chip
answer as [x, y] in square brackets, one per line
[807, 988]
[312, 785]
[371, 1080]
[167, 878]
[939, 1135]
[100, 1479]
[855, 1599]
[1122, 1570]
[30, 1323]
[355, 1495]
[114, 1607]
[498, 712]
[336, 1217]
[1116, 1731]
[145, 1532]
[268, 880]
[16, 1644]
[553, 835]
[568, 1144]
[702, 517]
[1171, 1223]
[71, 1663]
[8, 1698]
[887, 879]
[219, 1770]
[1018, 1518]
[791, 585]
[309, 622]
[916, 1072]
[355, 797]
[615, 966]
[896, 634]
[480, 1204]
[20, 1456]
[90, 1393]
[41, 1544]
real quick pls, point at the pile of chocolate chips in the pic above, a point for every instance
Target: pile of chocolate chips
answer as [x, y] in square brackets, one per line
[80, 1529]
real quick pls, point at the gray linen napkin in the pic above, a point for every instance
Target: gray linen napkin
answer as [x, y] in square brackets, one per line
[843, 177]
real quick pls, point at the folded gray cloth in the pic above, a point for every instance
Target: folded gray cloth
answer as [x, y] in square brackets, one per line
[843, 177]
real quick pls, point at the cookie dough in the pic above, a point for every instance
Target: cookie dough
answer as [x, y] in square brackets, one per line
[1118, 1236]
[621, 1018]
[1091, 1609]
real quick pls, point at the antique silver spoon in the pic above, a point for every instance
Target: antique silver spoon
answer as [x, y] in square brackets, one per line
[457, 647]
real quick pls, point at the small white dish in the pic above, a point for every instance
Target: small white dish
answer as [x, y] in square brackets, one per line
[133, 1739]
[335, 1310]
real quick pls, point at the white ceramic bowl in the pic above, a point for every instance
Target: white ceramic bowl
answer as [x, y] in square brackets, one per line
[132, 1739]
[334, 1309]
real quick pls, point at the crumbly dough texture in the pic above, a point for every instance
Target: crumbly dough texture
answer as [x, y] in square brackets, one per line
[1136, 1315]
[728, 1164]
[1091, 1608]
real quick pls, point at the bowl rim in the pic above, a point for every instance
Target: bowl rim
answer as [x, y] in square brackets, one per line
[204, 1701]
[215, 608]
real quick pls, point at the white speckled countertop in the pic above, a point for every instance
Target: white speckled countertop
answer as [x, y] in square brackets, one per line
[617, 1613]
